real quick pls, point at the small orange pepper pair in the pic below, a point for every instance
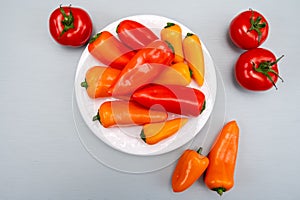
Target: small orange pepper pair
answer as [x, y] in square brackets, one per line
[219, 164]
[188, 49]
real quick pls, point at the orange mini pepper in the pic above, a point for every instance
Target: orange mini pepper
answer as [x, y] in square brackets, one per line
[125, 113]
[173, 34]
[189, 168]
[193, 55]
[98, 79]
[156, 132]
[176, 74]
[220, 171]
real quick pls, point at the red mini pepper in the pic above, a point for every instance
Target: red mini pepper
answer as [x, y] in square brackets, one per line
[143, 68]
[134, 34]
[173, 98]
[109, 50]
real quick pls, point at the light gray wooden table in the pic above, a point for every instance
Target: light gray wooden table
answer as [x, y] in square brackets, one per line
[42, 155]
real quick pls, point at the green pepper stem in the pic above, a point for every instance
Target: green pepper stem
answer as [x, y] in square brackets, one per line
[169, 24]
[84, 84]
[96, 117]
[203, 106]
[220, 190]
[189, 34]
[170, 46]
[95, 37]
[199, 150]
[142, 135]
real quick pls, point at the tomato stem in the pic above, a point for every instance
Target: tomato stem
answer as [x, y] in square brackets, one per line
[256, 25]
[68, 20]
[266, 67]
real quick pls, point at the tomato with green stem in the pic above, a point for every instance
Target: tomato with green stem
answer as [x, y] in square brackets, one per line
[248, 29]
[257, 69]
[70, 26]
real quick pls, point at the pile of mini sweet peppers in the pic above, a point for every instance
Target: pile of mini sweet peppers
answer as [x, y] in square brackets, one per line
[149, 76]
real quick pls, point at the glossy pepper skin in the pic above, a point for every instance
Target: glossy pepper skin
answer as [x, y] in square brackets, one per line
[193, 55]
[155, 132]
[126, 113]
[173, 34]
[134, 34]
[219, 175]
[107, 49]
[173, 98]
[176, 74]
[143, 67]
[98, 80]
[189, 168]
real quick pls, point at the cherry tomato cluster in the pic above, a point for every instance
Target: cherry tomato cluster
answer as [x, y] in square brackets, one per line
[256, 69]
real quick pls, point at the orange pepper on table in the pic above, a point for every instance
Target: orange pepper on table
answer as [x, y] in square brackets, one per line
[173, 34]
[219, 175]
[155, 132]
[107, 49]
[190, 166]
[193, 55]
[98, 79]
[120, 113]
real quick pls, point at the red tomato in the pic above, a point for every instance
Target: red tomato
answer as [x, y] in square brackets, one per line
[70, 26]
[248, 30]
[256, 69]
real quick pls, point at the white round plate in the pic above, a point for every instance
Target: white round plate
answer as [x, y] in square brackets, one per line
[119, 138]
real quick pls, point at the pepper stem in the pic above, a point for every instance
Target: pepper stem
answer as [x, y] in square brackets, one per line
[84, 84]
[189, 34]
[143, 136]
[199, 150]
[170, 46]
[203, 106]
[95, 37]
[96, 117]
[220, 190]
[169, 24]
